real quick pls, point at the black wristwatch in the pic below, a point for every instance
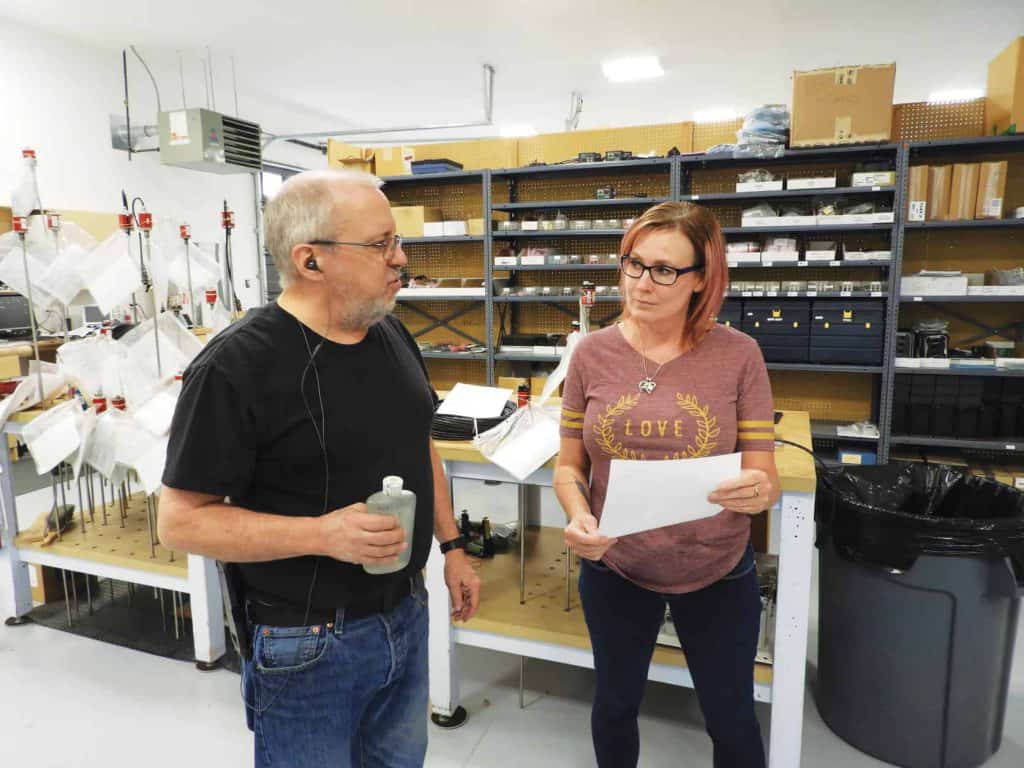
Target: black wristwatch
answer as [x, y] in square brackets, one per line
[459, 542]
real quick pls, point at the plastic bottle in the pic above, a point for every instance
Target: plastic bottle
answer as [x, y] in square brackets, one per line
[395, 501]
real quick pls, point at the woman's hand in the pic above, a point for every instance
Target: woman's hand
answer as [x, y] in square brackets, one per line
[749, 494]
[583, 538]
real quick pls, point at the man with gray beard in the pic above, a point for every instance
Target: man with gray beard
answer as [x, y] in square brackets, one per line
[287, 421]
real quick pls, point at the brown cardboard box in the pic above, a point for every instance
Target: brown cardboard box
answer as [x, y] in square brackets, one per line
[393, 161]
[511, 382]
[409, 219]
[45, 584]
[917, 193]
[991, 189]
[342, 155]
[963, 195]
[844, 105]
[940, 183]
[475, 227]
[537, 385]
[1004, 97]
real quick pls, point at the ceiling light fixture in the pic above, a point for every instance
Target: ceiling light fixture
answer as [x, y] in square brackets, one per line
[955, 95]
[634, 68]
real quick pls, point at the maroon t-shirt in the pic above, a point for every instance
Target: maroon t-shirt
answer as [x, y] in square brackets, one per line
[713, 399]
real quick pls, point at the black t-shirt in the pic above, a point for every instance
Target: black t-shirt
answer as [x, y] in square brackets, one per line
[241, 429]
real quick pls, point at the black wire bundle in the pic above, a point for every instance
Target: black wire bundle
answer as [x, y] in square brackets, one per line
[462, 427]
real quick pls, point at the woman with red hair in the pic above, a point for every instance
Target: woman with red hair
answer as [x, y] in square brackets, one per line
[668, 382]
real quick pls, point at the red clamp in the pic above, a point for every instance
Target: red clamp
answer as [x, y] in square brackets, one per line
[126, 222]
[211, 296]
[99, 403]
[26, 152]
[52, 221]
[20, 224]
[117, 403]
[185, 231]
[145, 221]
[227, 219]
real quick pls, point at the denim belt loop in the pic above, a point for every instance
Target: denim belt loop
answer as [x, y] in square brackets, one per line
[339, 622]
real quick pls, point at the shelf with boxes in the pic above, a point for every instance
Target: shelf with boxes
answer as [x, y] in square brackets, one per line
[540, 205]
[443, 219]
[715, 197]
[957, 373]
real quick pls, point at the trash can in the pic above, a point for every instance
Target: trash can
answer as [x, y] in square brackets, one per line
[921, 570]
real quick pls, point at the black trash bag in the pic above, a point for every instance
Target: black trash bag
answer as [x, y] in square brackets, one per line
[463, 427]
[890, 514]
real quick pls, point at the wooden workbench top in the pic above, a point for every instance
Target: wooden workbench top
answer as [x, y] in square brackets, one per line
[796, 467]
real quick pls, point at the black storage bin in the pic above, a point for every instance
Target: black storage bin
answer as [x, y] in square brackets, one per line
[781, 328]
[991, 408]
[1012, 421]
[921, 571]
[731, 314]
[922, 395]
[849, 332]
[944, 405]
[904, 343]
[968, 412]
[901, 405]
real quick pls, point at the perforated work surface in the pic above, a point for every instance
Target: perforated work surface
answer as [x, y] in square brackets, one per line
[920, 121]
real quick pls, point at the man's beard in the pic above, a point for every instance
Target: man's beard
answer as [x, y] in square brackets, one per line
[362, 316]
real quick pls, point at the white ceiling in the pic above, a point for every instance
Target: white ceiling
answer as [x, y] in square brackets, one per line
[330, 64]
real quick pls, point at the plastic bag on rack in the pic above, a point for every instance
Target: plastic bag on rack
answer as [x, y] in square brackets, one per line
[141, 374]
[150, 465]
[110, 273]
[890, 514]
[86, 427]
[85, 363]
[54, 435]
[766, 124]
[100, 449]
[26, 394]
[12, 272]
[526, 440]
[205, 270]
[156, 413]
[759, 151]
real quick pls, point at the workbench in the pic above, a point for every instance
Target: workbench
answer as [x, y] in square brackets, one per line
[523, 608]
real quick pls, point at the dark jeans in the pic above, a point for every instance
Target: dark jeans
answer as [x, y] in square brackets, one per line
[718, 630]
[352, 695]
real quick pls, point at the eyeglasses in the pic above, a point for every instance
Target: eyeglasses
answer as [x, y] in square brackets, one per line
[662, 274]
[387, 247]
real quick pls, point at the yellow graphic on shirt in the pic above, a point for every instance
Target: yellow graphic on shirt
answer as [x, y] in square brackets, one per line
[707, 429]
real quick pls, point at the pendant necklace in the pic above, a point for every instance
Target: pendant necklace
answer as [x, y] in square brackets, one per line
[647, 383]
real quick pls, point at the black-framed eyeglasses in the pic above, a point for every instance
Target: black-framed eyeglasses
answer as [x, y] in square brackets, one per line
[662, 274]
[387, 247]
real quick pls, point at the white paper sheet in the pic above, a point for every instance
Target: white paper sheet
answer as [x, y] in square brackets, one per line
[643, 495]
[53, 437]
[475, 402]
[522, 443]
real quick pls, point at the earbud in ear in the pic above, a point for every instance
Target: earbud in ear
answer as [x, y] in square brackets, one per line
[311, 265]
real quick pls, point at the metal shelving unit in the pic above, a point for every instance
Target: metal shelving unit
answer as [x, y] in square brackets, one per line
[586, 203]
[443, 239]
[950, 150]
[438, 355]
[824, 368]
[603, 267]
[561, 233]
[441, 297]
[808, 229]
[805, 295]
[551, 299]
[873, 263]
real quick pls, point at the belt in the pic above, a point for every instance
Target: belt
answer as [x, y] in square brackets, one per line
[279, 614]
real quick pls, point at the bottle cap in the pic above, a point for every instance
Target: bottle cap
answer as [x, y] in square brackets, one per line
[393, 485]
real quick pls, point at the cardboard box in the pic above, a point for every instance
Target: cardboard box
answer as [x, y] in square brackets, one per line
[476, 226]
[348, 156]
[844, 105]
[45, 584]
[821, 182]
[454, 228]
[409, 219]
[1004, 97]
[963, 195]
[991, 189]
[925, 285]
[917, 193]
[873, 179]
[940, 184]
[759, 186]
[393, 161]
[433, 229]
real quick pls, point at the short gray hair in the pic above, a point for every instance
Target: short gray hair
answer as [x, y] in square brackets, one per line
[304, 210]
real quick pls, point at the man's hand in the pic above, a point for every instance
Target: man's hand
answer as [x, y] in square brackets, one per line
[353, 535]
[585, 540]
[463, 585]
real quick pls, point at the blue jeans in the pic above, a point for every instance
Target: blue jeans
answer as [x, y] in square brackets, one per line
[354, 695]
[717, 628]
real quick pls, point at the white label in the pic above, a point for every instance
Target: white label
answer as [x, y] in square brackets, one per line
[918, 209]
[876, 188]
[530, 226]
[846, 294]
[757, 293]
[771, 293]
[918, 298]
[792, 293]
[179, 128]
[812, 293]
[733, 264]
[1011, 447]
[995, 207]
[766, 263]
[802, 264]
[506, 261]
[747, 294]
[834, 263]
[876, 294]
[695, 197]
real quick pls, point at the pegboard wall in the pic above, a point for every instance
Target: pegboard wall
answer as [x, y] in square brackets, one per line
[445, 374]
[445, 259]
[472, 322]
[458, 201]
[712, 180]
[827, 397]
[921, 121]
[707, 135]
[582, 186]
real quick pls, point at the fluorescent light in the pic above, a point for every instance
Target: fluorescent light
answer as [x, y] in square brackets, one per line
[636, 68]
[716, 115]
[954, 95]
[517, 130]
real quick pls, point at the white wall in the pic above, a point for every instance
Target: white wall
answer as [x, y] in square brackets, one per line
[57, 96]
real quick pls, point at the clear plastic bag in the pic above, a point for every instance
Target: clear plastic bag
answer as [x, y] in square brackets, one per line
[54, 435]
[110, 273]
